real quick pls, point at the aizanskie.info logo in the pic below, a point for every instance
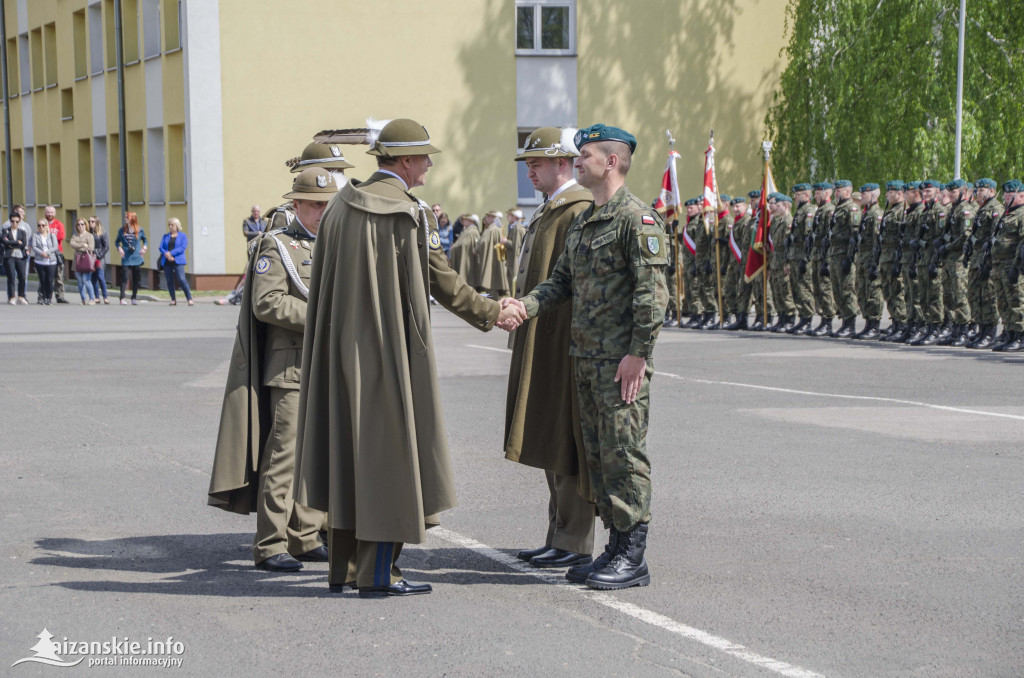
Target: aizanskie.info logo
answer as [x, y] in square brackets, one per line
[122, 651]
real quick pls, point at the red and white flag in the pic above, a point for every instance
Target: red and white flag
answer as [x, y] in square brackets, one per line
[762, 242]
[733, 247]
[688, 241]
[668, 202]
[710, 203]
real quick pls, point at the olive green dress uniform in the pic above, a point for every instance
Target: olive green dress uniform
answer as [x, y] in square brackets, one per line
[912, 216]
[950, 259]
[892, 280]
[613, 270]
[493, 272]
[800, 276]
[1006, 239]
[929, 288]
[981, 291]
[464, 256]
[842, 248]
[824, 299]
[542, 416]
[778, 277]
[516, 235]
[691, 276]
[280, 216]
[869, 289]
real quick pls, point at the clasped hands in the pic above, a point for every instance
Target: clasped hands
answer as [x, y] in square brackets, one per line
[512, 314]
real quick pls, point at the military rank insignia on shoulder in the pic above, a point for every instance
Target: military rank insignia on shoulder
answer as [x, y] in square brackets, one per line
[263, 265]
[435, 241]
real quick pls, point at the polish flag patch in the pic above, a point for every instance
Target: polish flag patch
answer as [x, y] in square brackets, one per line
[647, 219]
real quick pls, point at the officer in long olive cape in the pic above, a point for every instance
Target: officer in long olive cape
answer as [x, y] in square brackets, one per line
[542, 417]
[372, 448]
[253, 466]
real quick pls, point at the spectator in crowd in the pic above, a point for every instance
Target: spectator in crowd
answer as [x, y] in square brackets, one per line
[57, 228]
[172, 258]
[131, 245]
[99, 275]
[252, 226]
[85, 260]
[14, 242]
[444, 231]
[44, 253]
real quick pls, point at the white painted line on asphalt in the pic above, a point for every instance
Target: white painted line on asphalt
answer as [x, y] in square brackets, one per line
[899, 401]
[490, 348]
[635, 611]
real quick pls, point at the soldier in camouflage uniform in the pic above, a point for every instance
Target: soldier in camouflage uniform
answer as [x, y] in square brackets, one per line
[728, 261]
[911, 216]
[672, 315]
[869, 289]
[801, 240]
[613, 270]
[707, 281]
[887, 263]
[740, 301]
[949, 257]
[1006, 262]
[842, 246]
[689, 259]
[929, 287]
[780, 206]
[977, 251]
[822, 284]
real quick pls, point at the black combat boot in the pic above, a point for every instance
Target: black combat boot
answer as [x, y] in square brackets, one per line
[1001, 339]
[945, 331]
[824, 329]
[694, 321]
[1011, 338]
[790, 324]
[578, 574]
[779, 324]
[845, 330]
[711, 323]
[973, 331]
[918, 333]
[955, 333]
[1016, 345]
[893, 329]
[670, 321]
[901, 334]
[932, 337]
[801, 327]
[701, 319]
[961, 339]
[870, 330]
[986, 335]
[758, 325]
[739, 324]
[857, 334]
[628, 566]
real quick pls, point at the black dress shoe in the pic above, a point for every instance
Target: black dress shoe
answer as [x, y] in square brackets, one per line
[527, 555]
[281, 562]
[317, 555]
[399, 588]
[338, 588]
[560, 558]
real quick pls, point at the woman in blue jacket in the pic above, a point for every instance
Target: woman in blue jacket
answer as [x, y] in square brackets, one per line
[172, 259]
[131, 245]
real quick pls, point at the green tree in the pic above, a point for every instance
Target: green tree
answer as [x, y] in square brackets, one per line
[869, 91]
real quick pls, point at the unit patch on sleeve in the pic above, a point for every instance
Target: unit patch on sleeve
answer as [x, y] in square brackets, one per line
[263, 265]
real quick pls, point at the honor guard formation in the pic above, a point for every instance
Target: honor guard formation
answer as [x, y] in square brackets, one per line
[943, 259]
[332, 429]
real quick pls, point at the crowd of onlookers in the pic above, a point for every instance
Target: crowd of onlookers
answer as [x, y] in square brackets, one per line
[44, 249]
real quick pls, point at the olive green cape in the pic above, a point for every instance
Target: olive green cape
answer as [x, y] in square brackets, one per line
[372, 449]
[464, 256]
[493, 274]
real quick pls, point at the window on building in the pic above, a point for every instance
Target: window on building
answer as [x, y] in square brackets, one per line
[67, 104]
[151, 27]
[42, 176]
[155, 156]
[12, 67]
[526, 194]
[109, 39]
[17, 177]
[79, 35]
[24, 62]
[36, 45]
[84, 172]
[130, 30]
[99, 163]
[30, 176]
[56, 185]
[545, 27]
[95, 39]
[50, 51]
[172, 25]
[136, 169]
[114, 163]
[176, 163]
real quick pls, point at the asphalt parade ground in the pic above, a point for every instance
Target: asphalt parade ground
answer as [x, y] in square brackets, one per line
[821, 508]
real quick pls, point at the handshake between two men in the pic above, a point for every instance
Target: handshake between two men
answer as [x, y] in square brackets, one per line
[512, 314]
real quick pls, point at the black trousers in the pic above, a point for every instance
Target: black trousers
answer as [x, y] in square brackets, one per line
[136, 275]
[16, 268]
[46, 274]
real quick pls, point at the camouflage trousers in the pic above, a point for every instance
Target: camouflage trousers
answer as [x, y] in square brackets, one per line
[803, 290]
[756, 289]
[690, 280]
[731, 280]
[892, 291]
[821, 287]
[914, 315]
[708, 285]
[1009, 297]
[778, 280]
[670, 279]
[954, 292]
[615, 441]
[929, 295]
[869, 292]
[981, 295]
[844, 288]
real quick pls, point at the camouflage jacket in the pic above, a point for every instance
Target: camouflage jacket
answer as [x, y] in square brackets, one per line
[779, 233]
[843, 230]
[911, 216]
[822, 219]
[870, 225]
[613, 269]
[983, 228]
[1007, 235]
[741, 232]
[889, 232]
[802, 231]
[929, 228]
[958, 229]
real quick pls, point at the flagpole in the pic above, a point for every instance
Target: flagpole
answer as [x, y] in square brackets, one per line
[718, 254]
[767, 148]
[674, 244]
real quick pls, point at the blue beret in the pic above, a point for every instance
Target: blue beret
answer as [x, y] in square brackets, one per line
[802, 187]
[737, 200]
[754, 194]
[912, 186]
[1013, 186]
[780, 197]
[725, 198]
[870, 186]
[842, 183]
[600, 132]
[985, 183]
[691, 201]
[929, 183]
[895, 185]
[824, 186]
[955, 184]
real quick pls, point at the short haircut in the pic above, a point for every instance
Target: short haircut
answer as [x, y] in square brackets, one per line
[620, 150]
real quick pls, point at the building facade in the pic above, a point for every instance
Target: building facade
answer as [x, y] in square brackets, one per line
[220, 93]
